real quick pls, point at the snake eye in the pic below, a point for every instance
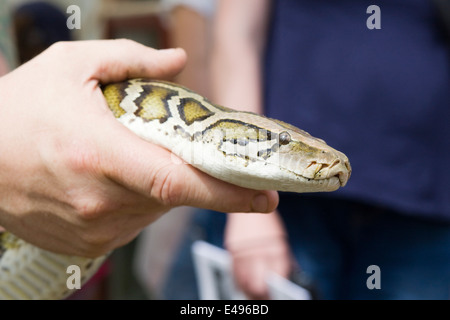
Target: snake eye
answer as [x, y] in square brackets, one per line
[285, 138]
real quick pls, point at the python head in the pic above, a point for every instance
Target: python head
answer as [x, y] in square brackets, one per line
[270, 154]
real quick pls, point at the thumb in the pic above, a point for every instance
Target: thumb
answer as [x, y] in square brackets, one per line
[150, 170]
[185, 185]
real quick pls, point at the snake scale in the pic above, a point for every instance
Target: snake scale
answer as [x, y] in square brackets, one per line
[241, 148]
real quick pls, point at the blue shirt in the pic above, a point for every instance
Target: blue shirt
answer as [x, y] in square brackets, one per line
[381, 96]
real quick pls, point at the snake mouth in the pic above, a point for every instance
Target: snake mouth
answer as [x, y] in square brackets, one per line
[339, 170]
[320, 185]
[345, 174]
[342, 170]
[343, 178]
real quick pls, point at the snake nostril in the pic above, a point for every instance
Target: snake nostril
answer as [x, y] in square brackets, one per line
[311, 164]
[335, 163]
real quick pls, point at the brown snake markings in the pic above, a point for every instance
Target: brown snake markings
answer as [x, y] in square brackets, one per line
[152, 103]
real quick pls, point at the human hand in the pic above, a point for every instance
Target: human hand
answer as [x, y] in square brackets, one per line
[258, 246]
[73, 180]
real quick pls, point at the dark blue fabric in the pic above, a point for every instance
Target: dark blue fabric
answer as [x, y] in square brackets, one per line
[380, 96]
[335, 242]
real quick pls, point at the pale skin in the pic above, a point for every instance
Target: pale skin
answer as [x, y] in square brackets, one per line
[73, 180]
[257, 243]
[190, 30]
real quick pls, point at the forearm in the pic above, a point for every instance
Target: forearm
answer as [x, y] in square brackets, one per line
[257, 243]
[240, 33]
[239, 38]
[249, 230]
[190, 31]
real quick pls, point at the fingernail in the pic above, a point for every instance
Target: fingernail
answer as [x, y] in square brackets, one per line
[260, 203]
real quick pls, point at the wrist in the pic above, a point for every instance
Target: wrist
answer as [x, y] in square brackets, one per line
[252, 245]
[253, 228]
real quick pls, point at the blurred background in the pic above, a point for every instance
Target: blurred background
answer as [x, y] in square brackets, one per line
[158, 264]
[27, 27]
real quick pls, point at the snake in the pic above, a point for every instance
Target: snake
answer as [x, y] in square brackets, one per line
[241, 148]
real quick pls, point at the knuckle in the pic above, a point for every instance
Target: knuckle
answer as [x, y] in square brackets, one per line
[167, 189]
[56, 46]
[125, 41]
[89, 208]
[61, 47]
[127, 44]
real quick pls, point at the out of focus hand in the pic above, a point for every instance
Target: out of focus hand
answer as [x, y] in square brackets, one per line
[258, 246]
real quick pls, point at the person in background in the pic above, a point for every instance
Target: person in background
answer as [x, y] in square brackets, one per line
[190, 24]
[379, 95]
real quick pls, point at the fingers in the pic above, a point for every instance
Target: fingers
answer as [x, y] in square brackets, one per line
[117, 60]
[252, 265]
[151, 171]
[258, 246]
[250, 275]
[185, 185]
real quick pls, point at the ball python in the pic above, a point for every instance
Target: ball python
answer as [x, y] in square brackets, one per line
[242, 148]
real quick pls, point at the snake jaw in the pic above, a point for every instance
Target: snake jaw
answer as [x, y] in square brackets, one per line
[345, 174]
[339, 168]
